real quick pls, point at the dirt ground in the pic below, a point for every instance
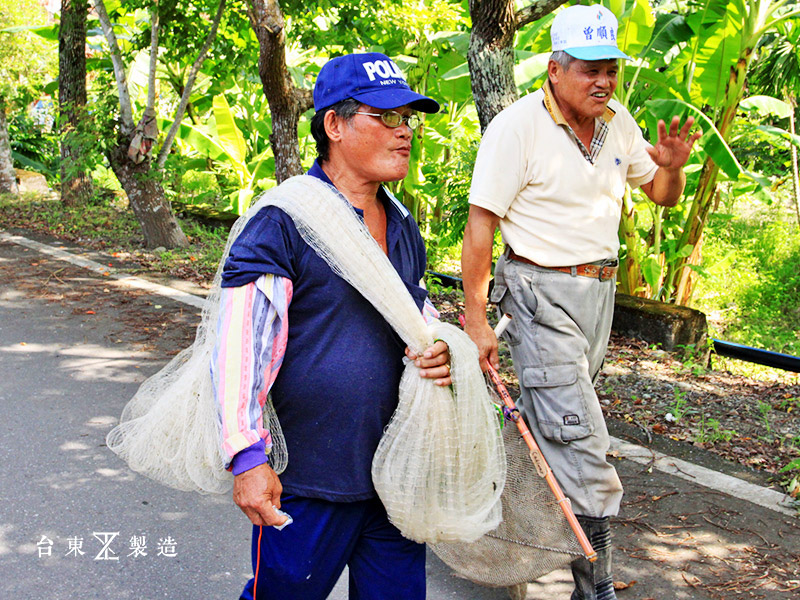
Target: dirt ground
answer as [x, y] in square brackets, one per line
[753, 422]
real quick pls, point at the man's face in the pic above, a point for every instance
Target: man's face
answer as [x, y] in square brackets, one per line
[583, 90]
[373, 151]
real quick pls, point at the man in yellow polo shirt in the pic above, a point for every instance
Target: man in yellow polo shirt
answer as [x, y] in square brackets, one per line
[551, 173]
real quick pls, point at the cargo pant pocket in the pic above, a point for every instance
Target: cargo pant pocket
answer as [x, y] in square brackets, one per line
[500, 297]
[558, 402]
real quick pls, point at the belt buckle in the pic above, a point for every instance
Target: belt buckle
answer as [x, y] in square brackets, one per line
[602, 266]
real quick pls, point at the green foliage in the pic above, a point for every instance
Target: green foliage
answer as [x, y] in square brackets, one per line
[752, 292]
[199, 188]
[761, 148]
[242, 165]
[34, 146]
[694, 358]
[110, 225]
[679, 406]
[764, 409]
[711, 431]
[450, 180]
[27, 61]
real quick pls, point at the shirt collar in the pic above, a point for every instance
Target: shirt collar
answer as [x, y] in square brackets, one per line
[555, 112]
[384, 195]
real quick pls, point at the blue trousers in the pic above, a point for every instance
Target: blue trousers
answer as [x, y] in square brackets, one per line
[304, 560]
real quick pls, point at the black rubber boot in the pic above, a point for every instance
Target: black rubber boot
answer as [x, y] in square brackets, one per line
[593, 581]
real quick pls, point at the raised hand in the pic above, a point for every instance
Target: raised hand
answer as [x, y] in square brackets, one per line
[673, 149]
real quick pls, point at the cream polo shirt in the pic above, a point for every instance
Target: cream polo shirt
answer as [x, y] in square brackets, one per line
[557, 208]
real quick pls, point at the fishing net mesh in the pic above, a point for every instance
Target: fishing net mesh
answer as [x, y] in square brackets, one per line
[170, 430]
[534, 537]
[440, 466]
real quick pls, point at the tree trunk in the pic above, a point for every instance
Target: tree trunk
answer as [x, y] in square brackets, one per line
[286, 102]
[147, 199]
[491, 51]
[491, 57]
[8, 177]
[76, 186]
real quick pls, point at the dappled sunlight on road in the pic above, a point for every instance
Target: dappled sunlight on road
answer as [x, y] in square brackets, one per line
[92, 368]
[174, 516]
[5, 544]
[12, 295]
[88, 460]
[695, 545]
[105, 421]
[86, 362]
[73, 446]
[28, 348]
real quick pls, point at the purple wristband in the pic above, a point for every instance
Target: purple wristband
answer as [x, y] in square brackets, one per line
[250, 457]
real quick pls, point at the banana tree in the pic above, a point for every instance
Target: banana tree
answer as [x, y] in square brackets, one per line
[693, 63]
[222, 141]
[713, 70]
[778, 73]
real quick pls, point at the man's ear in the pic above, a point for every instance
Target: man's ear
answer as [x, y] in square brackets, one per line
[553, 71]
[333, 126]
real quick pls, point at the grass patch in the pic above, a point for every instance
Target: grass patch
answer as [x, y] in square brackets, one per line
[112, 227]
[752, 293]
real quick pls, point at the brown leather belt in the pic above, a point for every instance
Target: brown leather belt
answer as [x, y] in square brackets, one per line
[594, 271]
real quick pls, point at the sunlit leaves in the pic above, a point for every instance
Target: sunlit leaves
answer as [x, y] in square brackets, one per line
[636, 27]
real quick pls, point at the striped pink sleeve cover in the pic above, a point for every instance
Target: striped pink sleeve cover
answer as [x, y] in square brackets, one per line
[251, 341]
[429, 312]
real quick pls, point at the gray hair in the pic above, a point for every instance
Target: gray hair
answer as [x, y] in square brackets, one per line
[562, 58]
[346, 109]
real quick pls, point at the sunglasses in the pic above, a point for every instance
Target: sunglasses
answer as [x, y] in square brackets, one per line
[392, 118]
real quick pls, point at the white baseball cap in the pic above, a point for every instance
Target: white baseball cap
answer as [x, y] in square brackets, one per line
[586, 33]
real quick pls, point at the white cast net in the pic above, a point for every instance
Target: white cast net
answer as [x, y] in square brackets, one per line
[440, 466]
[170, 430]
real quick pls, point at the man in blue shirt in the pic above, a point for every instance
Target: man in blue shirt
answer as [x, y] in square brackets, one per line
[291, 327]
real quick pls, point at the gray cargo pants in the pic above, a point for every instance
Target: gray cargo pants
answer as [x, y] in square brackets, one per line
[558, 337]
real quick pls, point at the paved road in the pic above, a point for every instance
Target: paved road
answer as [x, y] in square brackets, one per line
[74, 346]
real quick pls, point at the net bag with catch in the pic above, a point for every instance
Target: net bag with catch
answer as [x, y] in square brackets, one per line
[534, 537]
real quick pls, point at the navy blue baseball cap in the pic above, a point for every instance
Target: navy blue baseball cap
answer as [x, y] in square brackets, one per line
[371, 78]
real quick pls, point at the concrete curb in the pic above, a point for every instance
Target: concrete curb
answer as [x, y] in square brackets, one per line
[125, 280]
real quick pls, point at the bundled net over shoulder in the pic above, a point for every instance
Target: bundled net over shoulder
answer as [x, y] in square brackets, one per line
[440, 466]
[170, 430]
